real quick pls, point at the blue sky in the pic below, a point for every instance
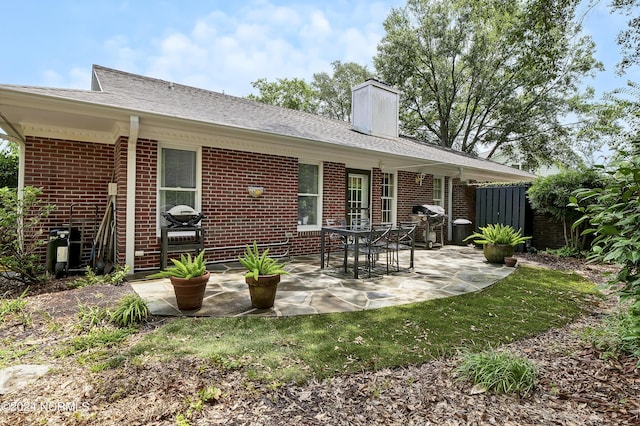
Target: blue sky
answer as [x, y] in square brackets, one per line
[217, 45]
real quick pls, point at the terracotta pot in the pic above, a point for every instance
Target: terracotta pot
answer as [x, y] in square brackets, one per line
[495, 253]
[189, 293]
[510, 261]
[263, 291]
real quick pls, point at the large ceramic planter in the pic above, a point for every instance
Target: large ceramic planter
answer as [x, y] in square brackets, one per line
[263, 291]
[190, 293]
[495, 253]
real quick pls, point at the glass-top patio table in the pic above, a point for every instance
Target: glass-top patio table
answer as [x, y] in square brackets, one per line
[354, 237]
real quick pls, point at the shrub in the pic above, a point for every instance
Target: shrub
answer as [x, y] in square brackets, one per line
[551, 194]
[502, 372]
[21, 236]
[132, 310]
[612, 215]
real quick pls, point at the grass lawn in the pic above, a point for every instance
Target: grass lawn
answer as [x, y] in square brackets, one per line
[526, 303]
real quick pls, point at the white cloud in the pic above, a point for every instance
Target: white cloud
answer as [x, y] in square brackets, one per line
[227, 50]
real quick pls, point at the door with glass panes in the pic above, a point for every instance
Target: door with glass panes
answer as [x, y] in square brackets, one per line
[357, 197]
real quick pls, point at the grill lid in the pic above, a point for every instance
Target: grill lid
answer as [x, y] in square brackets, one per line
[429, 210]
[182, 215]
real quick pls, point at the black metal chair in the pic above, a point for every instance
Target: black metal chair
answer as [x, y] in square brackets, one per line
[403, 238]
[336, 242]
[375, 244]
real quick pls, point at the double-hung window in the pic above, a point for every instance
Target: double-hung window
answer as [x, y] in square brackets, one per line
[438, 191]
[309, 178]
[178, 179]
[387, 197]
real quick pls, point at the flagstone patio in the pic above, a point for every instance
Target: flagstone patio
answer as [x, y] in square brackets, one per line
[307, 289]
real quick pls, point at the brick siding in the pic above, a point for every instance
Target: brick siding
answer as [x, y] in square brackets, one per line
[71, 172]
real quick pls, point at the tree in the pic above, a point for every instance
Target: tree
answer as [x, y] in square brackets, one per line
[8, 166]
[334, 91]
[628, 39]
[551, 194]
[288, 93]
[496, 73]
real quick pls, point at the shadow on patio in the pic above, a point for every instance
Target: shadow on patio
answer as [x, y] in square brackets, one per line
[307, 289]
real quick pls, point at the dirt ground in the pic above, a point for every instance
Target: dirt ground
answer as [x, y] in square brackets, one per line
[575, 386]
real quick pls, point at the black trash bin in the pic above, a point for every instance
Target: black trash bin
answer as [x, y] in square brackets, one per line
[461, 230]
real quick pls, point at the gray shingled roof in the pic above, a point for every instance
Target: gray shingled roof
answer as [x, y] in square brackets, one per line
[149, 95]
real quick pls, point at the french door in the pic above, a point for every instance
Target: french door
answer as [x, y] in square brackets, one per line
[357, 197]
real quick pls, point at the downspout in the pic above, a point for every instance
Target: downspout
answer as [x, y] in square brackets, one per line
[130, 238]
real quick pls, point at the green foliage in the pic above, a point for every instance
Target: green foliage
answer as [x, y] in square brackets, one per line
[502, 372]
[96, 338]
[612, 215]
[493, 73]
[565, 251]
[628, 38]
[551, 194]
[327, 95]
[116, 277]
[260, 264]
[288, 93]
[498, 234]
[186, 267]
[15, 308]
[8, 167]
[91, 316]
[334, 91]
[21, 236]
[131, 310]
[617, 335]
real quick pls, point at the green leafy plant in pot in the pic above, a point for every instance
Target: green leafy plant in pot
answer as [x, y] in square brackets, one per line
[189, 277]
[263, 276]
[498, 241]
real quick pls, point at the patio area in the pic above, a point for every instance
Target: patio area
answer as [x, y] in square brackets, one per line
[307, 289]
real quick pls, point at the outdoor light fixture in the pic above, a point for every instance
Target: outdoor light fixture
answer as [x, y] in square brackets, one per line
[420, 177]
[255, 191]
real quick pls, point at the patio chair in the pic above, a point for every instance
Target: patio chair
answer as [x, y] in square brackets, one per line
[402, 239]
[376, 243]
[336, 242]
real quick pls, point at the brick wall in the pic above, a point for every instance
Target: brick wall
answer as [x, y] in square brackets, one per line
[69, 173]
[120, 174]
[547, 232]
[463, 201]
[73, 172]
[146, 199]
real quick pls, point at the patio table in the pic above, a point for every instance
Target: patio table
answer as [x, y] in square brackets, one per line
[354, 234]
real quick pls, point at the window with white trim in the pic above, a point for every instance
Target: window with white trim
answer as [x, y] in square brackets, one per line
[387, 197]
[177, 180]
[308, 196]
[438, 191]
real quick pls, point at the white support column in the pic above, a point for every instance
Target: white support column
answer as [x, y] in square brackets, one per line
[450, 210]
[130, 246]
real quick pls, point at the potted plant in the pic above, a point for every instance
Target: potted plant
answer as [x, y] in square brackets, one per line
[498, 240]
[189, 277]
[263, 276]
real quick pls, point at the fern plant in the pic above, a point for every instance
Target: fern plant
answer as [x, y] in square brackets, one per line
[498, 234]
[260, 264]
[186, 267]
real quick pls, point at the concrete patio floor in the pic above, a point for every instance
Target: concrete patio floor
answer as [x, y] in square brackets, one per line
[307, 289]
